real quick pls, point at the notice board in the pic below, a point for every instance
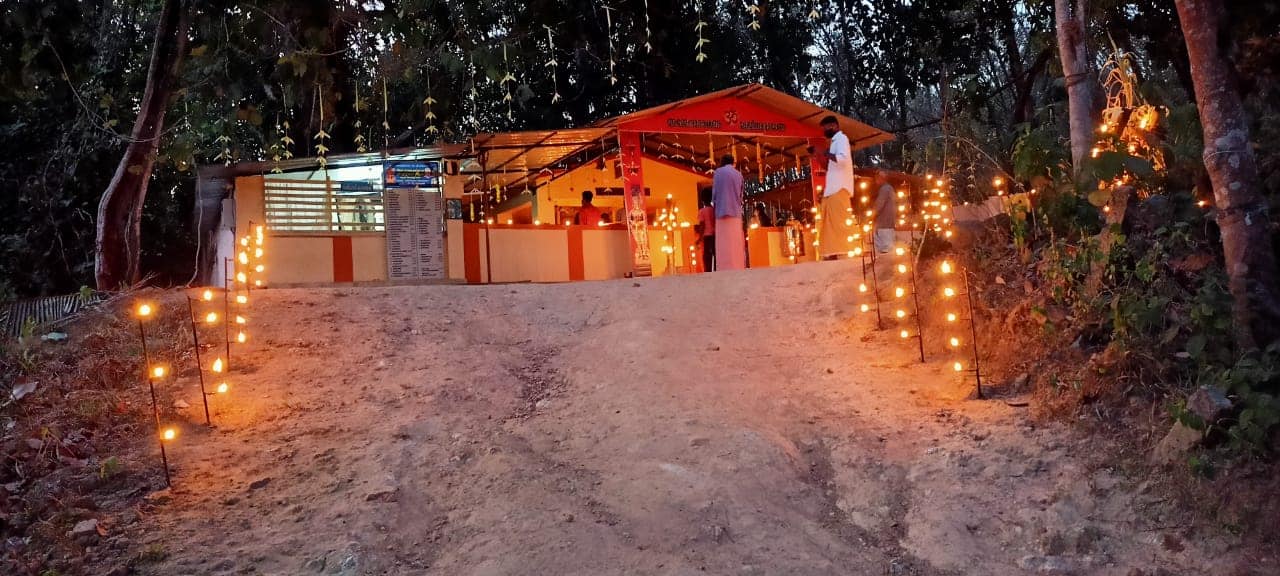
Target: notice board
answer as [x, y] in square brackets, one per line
[414, 216]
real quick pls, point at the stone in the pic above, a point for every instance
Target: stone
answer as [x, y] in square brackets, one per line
[1175, 445]
[259, 483]
[84, 527]
[382, 496]
[1208, 403]
[1048, 564]
[566, 517]
[315, 564]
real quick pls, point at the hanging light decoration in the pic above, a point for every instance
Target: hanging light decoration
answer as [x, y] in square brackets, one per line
[754, 10]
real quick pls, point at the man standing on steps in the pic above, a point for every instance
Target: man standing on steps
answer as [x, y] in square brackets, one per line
[833, 237]
[726, 192]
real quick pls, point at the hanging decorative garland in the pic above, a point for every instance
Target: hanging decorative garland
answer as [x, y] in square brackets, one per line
[283, 147]
[507, 78]
[648, 48]
[360, 141]
[754, 10]
[322, 136]
[702, 41]
[225, 155]
[608, 19]
[552, 64]
[430, 102]
[814, 14]
[386, 114]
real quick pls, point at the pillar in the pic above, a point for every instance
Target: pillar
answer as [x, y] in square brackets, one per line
[634, 201]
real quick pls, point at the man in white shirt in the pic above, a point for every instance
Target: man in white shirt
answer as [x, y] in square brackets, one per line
[837, 207]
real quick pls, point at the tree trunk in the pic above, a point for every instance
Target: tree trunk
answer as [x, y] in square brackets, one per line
[1081, 78]
[120, 211]
[1237, 190]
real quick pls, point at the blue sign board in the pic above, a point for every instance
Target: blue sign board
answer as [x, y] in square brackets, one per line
[411, 174]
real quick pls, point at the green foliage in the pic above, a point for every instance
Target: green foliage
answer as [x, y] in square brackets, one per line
[110, 468]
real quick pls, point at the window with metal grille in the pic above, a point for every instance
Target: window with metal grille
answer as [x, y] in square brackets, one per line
[323, 206]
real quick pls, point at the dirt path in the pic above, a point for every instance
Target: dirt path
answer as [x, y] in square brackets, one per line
[737, 423]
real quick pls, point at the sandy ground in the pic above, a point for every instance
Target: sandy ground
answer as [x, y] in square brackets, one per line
[736, 423]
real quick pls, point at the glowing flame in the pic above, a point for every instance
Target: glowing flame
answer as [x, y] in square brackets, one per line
[169, 434]
[902, 268]
[946, 267]
[955, 342]
[866, 308]
[241, 338]
[948, 292]
[899, 292]
[951, 317]
[158, 371]
[145, 310]
[242, 299]
[217, 366]
[243, 257]
[240, 319]
[211, 317]
[222, 388]
[959, 367]
[259, 268]
[905, 334]
[242, 277]
[862, 287]
[901, 313]
[207, 295]
[900, 251]
[257, 253]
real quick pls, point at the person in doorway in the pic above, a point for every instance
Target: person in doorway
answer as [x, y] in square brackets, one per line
[726, 194]
[837, 205]
[588, 214]
[706, 230]
[885, 213]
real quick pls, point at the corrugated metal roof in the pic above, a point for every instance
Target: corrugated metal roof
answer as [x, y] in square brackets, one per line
[533, 150]
[308, 163]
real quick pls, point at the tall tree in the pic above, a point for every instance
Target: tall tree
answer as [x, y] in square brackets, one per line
[1080, 76]
[1237, 190]
[119, 222]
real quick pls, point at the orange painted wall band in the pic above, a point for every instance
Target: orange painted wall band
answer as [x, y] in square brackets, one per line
[344, 269]
[758, 248]
[577, 261]
[471, 252]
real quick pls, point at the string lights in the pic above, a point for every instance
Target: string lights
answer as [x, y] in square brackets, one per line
[145, 312]
[953, 318]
